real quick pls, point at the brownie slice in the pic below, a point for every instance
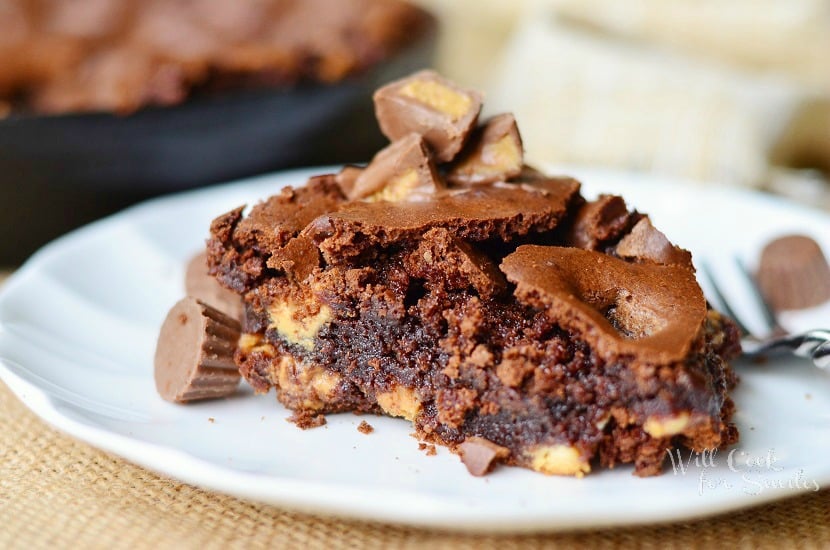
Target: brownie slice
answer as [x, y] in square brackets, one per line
[506, 317]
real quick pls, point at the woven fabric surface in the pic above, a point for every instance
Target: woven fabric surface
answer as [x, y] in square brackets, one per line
[56, 492]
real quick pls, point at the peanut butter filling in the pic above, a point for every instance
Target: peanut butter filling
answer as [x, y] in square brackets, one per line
[666, 426]
[439, 97]
[299, 324]
[400, 402]
[558, 460]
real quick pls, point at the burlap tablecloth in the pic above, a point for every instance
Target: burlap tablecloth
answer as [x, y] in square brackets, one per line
[57, 492]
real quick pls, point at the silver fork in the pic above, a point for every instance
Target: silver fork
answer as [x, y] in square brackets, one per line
[813, 344]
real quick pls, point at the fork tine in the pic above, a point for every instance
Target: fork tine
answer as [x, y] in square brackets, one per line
[767, 311]
[727, 309]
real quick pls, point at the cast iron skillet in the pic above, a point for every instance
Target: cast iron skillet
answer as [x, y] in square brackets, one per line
[58, 172]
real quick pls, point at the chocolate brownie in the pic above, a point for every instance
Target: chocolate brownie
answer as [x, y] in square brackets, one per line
[499, 311]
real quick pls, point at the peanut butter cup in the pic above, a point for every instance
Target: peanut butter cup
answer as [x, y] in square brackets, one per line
[199, 284]
[429, 105]
[793, 273]
[194, 353]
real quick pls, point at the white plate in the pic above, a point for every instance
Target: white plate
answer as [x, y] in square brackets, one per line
[78, 325]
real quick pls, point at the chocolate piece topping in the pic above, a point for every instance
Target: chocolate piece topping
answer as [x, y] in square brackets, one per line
[652, 312]
[475, 214]
[480, 455]
[647, 244]
[399, 170]
[793, 273]
[494, 154]
[347, 177]
[429, 105]
[202, 286]
[194, 353]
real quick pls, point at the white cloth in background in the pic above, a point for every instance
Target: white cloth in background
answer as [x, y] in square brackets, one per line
[734, 91]
[581, 96]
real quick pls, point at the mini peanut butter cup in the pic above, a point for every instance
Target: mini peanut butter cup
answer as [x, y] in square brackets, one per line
[202, 286]
[194, 353]
[793, 273]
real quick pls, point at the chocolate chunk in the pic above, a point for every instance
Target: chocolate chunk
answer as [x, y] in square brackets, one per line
[793, 273]
[429, 105]
[202, 286]
[504, 211]
[442, 258]
[598, 222]
[494, 154]
[647, 244]
[398, 171]
[652, 312]
[194, 353]
[479, 455]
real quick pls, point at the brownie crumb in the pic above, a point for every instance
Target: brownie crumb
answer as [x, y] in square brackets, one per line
[306, 420]
[428, 447]
[365, 428]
